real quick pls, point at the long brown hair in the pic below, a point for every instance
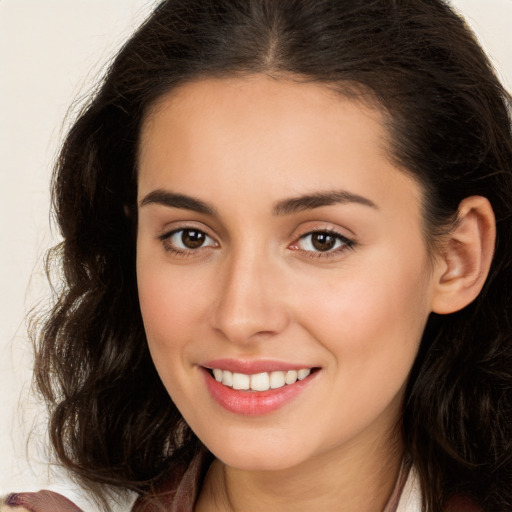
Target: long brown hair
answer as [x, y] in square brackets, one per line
[112, 422]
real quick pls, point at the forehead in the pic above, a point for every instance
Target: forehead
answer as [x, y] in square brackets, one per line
[258, 133]
[257, 105]
[256, 101]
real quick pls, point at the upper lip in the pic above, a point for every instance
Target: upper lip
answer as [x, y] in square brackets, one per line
[249, 367]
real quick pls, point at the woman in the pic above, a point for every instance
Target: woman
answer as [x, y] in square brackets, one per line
[286, 256]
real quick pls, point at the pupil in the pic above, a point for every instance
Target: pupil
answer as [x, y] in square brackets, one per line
[192, 239]
[323, 241]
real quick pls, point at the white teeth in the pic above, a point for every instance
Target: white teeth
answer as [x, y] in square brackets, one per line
[277, 380]
[259, 381]
[227, 378]
[241, 381]
[290, 377]
[302, 374]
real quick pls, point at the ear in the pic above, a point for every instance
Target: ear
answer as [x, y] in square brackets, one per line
[465, 257]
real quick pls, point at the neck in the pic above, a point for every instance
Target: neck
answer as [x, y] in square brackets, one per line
[360, 479]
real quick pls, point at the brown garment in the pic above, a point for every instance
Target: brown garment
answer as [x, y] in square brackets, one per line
[181, 495]
[179, 492]
[42, 501]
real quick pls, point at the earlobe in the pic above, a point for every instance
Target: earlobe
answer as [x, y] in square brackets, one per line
[466, 256]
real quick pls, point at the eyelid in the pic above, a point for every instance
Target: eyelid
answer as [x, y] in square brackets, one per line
[172, 227]
[323, 226]
[170, 247]
[346, 243]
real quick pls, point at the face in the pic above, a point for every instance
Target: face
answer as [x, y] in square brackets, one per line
[279, 249]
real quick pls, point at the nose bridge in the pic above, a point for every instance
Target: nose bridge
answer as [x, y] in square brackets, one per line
[248, 302]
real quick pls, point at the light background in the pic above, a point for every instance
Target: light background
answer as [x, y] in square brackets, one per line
[51, 51]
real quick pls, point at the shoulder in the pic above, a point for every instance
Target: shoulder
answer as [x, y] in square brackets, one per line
[42, 501]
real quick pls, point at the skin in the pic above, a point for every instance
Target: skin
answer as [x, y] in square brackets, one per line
[258, 289]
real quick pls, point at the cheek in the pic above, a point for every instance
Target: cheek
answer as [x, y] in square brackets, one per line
[169, 308]
[159, 308]
[171, 304]
[374, 318]
[371, 327]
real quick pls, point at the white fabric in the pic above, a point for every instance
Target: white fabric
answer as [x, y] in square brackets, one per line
[410, 500]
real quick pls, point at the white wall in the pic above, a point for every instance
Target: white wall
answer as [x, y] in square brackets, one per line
[50, 50]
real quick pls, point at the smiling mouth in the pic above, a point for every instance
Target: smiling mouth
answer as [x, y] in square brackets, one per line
[264, 381]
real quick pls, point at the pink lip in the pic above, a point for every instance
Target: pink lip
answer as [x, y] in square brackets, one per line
[253, 403]
[251, 367]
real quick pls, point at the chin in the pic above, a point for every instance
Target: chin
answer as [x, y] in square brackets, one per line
[268, 454]
[259, 462]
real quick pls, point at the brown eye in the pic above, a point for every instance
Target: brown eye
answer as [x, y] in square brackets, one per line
[323, 241]
[192, 238]
[187, 239]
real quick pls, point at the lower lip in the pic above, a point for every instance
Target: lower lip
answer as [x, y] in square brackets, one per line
[254, 403]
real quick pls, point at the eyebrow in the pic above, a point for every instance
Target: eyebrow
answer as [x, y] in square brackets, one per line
[319, 199]
[284, 207]
[173, 200]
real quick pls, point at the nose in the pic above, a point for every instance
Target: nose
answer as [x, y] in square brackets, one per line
[250, 305]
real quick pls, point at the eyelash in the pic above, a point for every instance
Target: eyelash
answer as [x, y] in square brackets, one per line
[171, 248]
[346, 243]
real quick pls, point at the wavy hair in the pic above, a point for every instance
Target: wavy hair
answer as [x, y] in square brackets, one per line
[112, 422]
